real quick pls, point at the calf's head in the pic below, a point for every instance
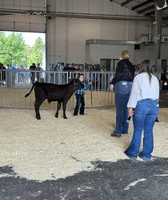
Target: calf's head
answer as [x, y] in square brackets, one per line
[77, 83]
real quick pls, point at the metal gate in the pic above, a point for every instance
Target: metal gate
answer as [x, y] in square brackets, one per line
[14, 84]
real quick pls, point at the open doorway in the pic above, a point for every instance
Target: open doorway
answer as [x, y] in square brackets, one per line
[105, 64]
[21, 49]
[109, 64]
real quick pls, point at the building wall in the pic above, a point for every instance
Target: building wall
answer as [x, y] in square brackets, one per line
[71, 33]
[66, 36]
[66, 39]
[22, 21]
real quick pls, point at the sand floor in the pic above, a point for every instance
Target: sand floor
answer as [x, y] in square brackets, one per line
[53, 148]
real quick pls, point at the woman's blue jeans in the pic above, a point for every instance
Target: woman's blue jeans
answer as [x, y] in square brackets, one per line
[122, 93]
[144, 118]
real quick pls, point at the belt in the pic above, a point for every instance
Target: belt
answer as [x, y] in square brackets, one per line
[150, 99]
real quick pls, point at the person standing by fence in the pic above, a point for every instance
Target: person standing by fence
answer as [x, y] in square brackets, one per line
[143, 105]
[32, 68]
[122, 83]
[80, 100]
[2, 74]
[39, 74]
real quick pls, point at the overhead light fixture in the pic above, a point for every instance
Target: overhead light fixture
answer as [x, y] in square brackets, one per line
[161, 4]
[37, 12]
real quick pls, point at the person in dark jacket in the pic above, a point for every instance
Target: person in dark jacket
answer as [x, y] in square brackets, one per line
[32, 68]
[122, 83]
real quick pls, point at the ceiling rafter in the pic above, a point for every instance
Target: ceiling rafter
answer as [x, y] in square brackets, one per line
[126, 2]
[142, 4]
[150, 13]
[147, 9]
[142, 7]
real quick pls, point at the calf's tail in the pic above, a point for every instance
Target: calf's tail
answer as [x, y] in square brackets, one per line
[31, 89]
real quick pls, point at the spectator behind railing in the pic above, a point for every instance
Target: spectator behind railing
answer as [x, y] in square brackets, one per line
[32, 68]
[21, 75]
[57, 67]
[72, 67]
[52, 69]
[39, 74]
[2, 74]
[66, 68]
[62, 67]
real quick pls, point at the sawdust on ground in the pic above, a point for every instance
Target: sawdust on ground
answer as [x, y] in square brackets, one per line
[53, 148]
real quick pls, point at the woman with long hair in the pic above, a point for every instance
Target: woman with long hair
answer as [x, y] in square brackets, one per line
[143, 105]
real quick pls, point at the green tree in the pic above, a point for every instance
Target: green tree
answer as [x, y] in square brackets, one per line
[12, 48]
[15, 45]
[27, 54]
[36, 54]
[4, 56]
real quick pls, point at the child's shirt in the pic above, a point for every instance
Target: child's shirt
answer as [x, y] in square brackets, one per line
[82, 91]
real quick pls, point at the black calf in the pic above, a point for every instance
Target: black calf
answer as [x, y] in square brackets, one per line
[53, 92]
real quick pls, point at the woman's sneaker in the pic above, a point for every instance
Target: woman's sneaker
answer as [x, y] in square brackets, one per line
[115, 135]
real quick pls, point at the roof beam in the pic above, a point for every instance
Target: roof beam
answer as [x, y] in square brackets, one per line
[126, 2]
[147, 9]
[164, 25]
[150, 13]
[142, 4]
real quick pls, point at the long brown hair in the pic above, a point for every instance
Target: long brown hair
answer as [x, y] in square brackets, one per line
[146, 67]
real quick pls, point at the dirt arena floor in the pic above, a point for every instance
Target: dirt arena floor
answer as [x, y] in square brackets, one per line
[52, 148]
[58, 159]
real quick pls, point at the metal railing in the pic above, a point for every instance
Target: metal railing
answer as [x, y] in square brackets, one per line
[14, 78]
[14, 84]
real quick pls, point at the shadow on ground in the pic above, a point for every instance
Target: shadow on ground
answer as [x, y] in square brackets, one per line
[125, 179]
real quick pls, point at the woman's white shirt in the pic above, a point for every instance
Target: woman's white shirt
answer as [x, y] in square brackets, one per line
[143, 89]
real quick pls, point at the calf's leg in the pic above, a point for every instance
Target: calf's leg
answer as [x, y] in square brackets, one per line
[64, 109]
[58, 108]
[37, 104]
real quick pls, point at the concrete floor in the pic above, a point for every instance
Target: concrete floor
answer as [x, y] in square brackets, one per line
[122, 180]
